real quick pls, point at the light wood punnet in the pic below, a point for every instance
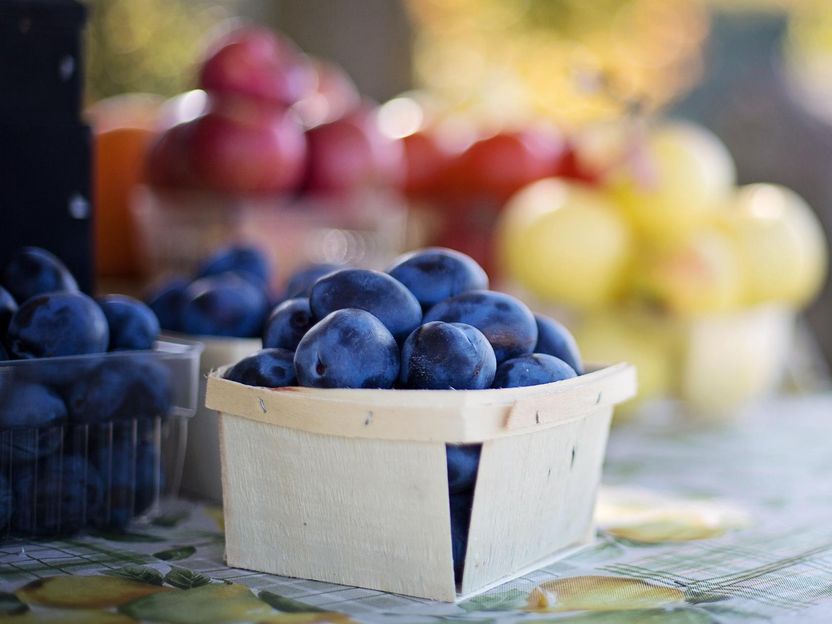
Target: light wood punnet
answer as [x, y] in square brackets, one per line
[350, 486]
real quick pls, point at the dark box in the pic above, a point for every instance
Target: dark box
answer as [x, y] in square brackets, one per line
[40, 60]
[45, 193]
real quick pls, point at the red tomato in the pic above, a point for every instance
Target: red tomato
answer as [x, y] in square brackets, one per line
[428, 162]
[501, 164]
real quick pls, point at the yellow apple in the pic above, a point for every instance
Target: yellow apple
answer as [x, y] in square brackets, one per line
[700, 276]
[564, 243]
[780, 243]
[731, 359]
[673, 181]
[647, 342]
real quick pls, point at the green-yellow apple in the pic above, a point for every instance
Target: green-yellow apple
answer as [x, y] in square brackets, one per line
[565, 243]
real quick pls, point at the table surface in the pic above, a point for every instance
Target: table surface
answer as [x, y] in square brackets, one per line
[698, 524]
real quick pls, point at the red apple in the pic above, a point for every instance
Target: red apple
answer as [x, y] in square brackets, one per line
[167, 161]
[257, 63]
[501, 164]
[428, 161]
[351, 153]
[242, 147]
[237, 146]
[573, 167]
[334, 96]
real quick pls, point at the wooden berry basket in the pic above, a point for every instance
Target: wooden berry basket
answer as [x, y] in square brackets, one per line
[351, 486]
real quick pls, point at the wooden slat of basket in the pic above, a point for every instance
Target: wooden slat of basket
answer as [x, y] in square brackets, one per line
[453, 416]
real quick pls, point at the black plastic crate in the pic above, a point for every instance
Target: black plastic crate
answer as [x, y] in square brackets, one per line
[41, 73]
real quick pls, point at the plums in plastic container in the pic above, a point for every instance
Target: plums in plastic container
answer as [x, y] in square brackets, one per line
[6, 500]
[57, 324]
[131, 477]
[31, 416]
[34, 271]
[133, 325]
[56, 496]
[121, 389]
[8, 306]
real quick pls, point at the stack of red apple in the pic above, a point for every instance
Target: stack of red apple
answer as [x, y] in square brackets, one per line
[273, 121]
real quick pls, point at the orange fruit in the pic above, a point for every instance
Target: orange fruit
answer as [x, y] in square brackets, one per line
[124, 128]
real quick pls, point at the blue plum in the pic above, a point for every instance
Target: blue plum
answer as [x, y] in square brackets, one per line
[131, 478]
[460, 520]
[554, 339]
[301, 282]
[270, 368]
[56, 497]
[55, 324]
[33, 271]
[132, 325]
[379, 294]
[436, 273]
[224, 305]
[167, 302]
[121, 388]
[463, 462]
[348, 349]
[442, 356]
[507, 323]
[532, 370]
[246, 261]
[8, 306]
[31, 416]
[287, 324]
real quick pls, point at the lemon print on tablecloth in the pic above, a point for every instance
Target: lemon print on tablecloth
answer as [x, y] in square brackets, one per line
[217, 603]
[85, 592]
[642, 616]
[649, 518]
[307, 618]
[67, 616]
[602, 593]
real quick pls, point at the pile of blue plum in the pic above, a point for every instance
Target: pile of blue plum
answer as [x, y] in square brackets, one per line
[81, 401]
[429, 322]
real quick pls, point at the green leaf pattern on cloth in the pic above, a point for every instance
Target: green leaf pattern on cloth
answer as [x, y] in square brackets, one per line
[182, 578]
[175, 554]
[687, 546]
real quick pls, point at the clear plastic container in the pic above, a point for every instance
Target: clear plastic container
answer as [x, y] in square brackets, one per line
[107, 443]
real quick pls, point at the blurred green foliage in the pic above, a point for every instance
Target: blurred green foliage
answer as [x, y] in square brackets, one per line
[147, 46]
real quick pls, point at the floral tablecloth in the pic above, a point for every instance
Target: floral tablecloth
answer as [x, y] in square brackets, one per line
[698, 524]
